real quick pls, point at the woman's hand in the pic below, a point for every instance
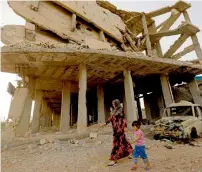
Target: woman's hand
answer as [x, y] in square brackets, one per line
[103, 125]
[133, 141]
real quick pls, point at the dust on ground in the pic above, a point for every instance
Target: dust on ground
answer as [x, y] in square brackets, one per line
[92, 155]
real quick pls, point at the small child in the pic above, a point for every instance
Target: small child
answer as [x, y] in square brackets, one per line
[139, 149]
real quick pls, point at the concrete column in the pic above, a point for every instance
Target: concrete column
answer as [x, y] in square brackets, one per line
[65, 107]
[129, 96]
[56, 120]
[147, 109]
[124, 104]
[148, 43]
[195, 92]
[194, 38]
[49, 116]
[101, 106]
[15, 113]
[82, 111]
[160, 105]
[157, 46]
[24, 123]
[139, 110]
[58, 117]
[43, 114]
[37, 111]
[167, 91]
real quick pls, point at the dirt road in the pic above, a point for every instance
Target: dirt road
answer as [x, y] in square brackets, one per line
[91, 155]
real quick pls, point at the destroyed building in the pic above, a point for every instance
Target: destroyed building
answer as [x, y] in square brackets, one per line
[75, 57]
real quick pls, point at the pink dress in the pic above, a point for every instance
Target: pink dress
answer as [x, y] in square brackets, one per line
[139, 142]
[139, 150]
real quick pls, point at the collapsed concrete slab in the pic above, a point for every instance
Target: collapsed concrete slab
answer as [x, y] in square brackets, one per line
[12, 34]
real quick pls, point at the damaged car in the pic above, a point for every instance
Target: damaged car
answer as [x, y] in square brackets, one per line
[181, 120]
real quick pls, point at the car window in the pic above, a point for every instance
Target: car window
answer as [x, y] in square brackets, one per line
[181, 111]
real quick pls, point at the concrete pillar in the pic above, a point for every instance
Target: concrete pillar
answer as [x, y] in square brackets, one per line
[157, 46]
[82, 111]
[129, 96]
[47, 115]
[56, 120]
[124, 104]
[37, 111]
[148, 43]
[195, 92]
[101, 106]
[24, 122]
[194, 38]
[139, 110]
[58, 117]
[15, 113]
[43, 114]
[160, 105]
[65, 107]
[167, 91]
[147, 109]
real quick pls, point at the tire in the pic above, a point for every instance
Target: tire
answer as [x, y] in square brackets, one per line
[157, 137]
[193, 133]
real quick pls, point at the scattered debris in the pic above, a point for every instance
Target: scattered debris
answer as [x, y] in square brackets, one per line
[93, 135]
[73, 141]
[43, 141]
[168, 146]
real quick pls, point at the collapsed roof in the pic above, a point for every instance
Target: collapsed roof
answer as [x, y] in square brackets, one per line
[74, 28]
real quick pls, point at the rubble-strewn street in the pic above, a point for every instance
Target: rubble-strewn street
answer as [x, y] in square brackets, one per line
[92, 155]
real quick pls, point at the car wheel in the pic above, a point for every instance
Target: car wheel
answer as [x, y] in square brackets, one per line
[157, 137]
[194, 134]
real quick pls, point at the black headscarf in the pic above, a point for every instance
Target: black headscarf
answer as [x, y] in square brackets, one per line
[118, 109]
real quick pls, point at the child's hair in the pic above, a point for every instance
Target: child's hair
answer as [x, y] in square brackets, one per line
[136, 123]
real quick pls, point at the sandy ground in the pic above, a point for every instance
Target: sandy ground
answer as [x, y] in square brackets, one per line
[91, 155]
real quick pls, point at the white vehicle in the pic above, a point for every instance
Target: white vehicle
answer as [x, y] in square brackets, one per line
[181, 120]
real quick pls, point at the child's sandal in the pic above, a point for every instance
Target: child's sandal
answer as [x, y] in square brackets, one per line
[147, 168]
[112, 163]
[130, 157]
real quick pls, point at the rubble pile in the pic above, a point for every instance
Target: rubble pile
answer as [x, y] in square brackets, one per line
[170, 129]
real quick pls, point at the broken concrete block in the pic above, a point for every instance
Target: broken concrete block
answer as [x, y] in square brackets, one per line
[43, 141]
[168, 146]
[93, 135]
[73, 141]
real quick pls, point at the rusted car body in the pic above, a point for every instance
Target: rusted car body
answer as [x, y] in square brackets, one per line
[181, 120]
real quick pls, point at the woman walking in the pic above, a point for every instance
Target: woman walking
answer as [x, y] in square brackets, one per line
[121, 147]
